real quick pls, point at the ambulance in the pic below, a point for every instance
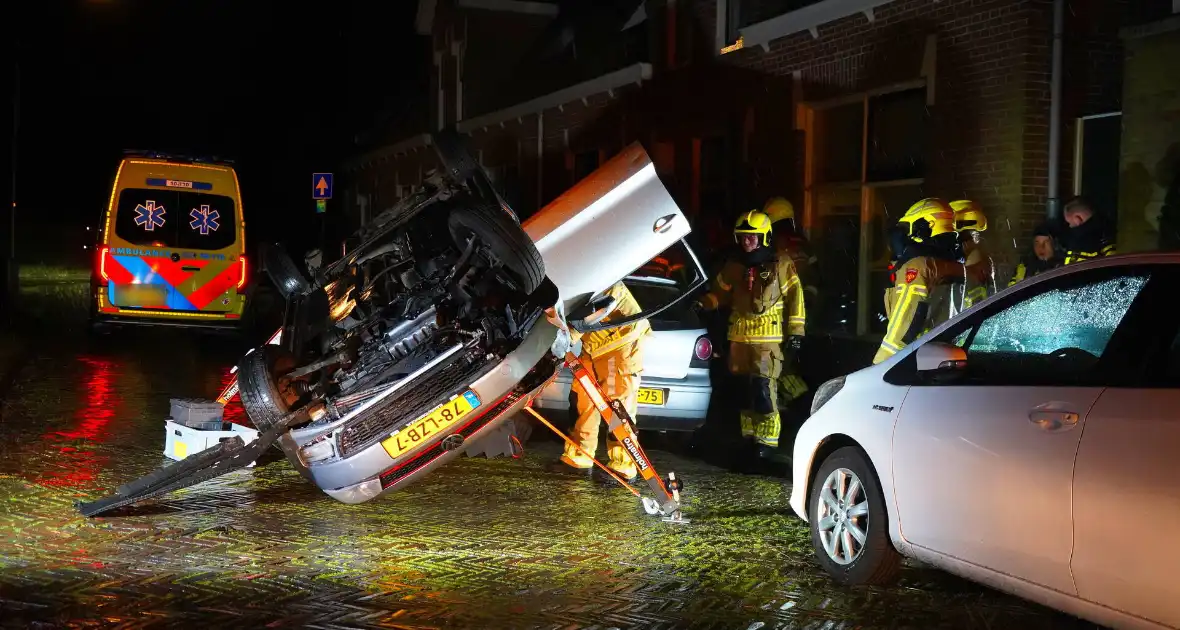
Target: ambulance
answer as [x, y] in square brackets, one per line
[171, 245]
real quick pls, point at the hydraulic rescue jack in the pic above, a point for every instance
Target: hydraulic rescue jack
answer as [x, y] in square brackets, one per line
[234, 453]
[622, 426]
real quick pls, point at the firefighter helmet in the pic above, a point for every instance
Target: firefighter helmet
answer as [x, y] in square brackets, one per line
[753, 222]
[968, 216]
[779, 209]
[928, 218]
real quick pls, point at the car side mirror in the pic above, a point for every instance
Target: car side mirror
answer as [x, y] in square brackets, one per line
[602, 307]
[942, 358]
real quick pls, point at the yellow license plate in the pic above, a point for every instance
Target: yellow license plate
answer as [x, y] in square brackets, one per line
[419, 431]
[650, 396]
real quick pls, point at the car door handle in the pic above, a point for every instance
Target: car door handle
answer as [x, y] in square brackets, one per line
[1053, 420]
[194, 269]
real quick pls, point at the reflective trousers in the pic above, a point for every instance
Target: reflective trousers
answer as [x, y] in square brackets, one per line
[618, 374]
[757, 367]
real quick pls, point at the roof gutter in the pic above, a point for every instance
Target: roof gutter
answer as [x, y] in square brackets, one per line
[809, 19]
[605, 83]
[620, 78]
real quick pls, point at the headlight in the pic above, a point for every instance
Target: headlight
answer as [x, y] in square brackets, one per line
[825, 393]
[316, 452]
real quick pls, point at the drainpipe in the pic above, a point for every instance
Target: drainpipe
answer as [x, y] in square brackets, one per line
[1054, 207]
[540, 158]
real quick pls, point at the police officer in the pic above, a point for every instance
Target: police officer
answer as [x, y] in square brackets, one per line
[766, 300]
[926, 258]
[1087, 235]
[615, 357]
[980, 276]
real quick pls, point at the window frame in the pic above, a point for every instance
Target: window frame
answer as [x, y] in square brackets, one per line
[1117, 365]
[815, 187]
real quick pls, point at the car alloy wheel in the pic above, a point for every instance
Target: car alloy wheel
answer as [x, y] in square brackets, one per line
[849, 522]
[843, 516]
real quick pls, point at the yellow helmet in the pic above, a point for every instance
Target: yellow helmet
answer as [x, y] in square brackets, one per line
[778, 209]
[968, 216]
[928, 218]
[754, 222]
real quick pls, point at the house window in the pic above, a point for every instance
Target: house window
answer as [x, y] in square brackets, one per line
[898, 128]
[865, 165]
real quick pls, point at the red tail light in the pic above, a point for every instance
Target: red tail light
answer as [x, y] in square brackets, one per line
[703, 350]
[242, 269]
[102, 264]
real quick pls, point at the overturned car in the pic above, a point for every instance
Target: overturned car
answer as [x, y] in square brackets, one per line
[445, 318]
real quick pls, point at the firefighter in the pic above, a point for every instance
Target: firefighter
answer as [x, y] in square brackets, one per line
[789, 242]
[766, 300]
[980, 273]
[1042, 258]
[615, 356]
[926, 258]
[1087, 235]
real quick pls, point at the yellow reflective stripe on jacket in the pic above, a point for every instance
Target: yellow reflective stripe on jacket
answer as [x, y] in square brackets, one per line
[1021, 271]
[763, 328]
[975, 294]
[1078, 256]
[635, 334]
[902, 316]
[797, 317]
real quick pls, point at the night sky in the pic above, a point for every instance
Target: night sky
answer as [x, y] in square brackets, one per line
[279, 89]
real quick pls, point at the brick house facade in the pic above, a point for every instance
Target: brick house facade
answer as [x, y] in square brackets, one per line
[853, 109]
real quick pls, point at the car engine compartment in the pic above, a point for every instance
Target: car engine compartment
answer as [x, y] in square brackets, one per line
[445, 279]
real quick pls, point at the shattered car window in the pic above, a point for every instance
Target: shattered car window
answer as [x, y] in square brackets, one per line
[1083, 317]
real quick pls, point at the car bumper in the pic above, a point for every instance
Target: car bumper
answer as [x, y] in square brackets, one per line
[686, 400]
[228, 320]
[371, 471]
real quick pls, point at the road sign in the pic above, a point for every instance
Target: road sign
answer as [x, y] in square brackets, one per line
[321, 206]
[321, 185]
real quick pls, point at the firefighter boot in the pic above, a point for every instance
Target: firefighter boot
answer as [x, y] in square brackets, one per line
[571, 463]
[620, 463]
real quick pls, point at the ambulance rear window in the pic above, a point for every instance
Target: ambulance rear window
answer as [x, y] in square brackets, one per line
[170, 218]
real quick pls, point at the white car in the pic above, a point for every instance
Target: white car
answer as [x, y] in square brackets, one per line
[674, 386]
[1026, 444]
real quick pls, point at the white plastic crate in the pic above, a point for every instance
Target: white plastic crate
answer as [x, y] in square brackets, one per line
[181, 441]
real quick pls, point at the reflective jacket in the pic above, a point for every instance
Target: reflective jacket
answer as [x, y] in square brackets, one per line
[600, 342]
[918, 301]
[762, 299]
[1092, 239]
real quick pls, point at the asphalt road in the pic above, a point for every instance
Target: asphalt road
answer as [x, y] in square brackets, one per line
[480, 544]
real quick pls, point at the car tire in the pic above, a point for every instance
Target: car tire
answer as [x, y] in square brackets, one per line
[283, 273]
[846, 498]
[258, 389]
[504, 236]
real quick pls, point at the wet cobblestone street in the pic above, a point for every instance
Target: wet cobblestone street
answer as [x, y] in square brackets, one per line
[480, 544]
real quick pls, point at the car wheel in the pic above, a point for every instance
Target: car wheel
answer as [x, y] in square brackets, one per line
[505, 238]
[283, 273]
[849, 529]
[264, 400]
